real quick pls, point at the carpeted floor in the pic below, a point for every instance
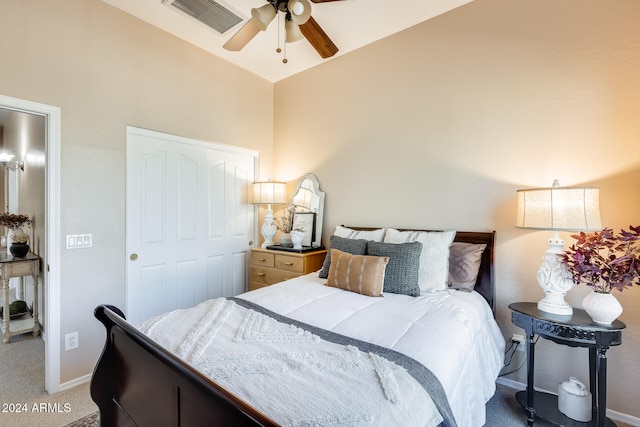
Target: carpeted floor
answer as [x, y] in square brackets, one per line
[25, 402]
[91, 420]
[22, 384]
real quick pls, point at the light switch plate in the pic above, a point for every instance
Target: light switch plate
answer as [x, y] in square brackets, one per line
[78, 241]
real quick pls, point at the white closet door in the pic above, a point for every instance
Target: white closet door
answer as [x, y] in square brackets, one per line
[189, 222]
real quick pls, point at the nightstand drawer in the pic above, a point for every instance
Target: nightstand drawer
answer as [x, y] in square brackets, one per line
[262, 258]
[269, 276]
[269, 267]
[290, 263]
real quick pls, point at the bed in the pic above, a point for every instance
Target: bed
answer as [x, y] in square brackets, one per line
[416, 349]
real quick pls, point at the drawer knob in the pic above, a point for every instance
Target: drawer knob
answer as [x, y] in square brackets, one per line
[288, 263]
[261, 259]
[261, 274]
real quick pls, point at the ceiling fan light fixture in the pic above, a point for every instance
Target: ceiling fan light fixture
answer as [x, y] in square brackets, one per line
[263, 16]
[300, 11]
[292, 30]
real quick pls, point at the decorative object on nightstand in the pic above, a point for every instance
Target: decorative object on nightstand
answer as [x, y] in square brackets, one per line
[296, 238]
[269, 193]
[605, 261]
[19, 247]
[269, 266]
[285, 225]
[574, 400]
[15, 224]
[557, 208]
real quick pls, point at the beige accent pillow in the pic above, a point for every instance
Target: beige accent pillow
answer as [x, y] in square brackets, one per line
[363, 274]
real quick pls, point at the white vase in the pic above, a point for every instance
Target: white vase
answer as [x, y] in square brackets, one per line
[285, 240]
[296, 238]
[603, 308]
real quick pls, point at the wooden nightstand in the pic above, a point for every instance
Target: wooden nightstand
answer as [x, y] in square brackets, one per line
[577, 330]
[269, 267]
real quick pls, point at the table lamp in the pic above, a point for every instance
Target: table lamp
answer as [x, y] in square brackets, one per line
[557, 209]
[268, 193]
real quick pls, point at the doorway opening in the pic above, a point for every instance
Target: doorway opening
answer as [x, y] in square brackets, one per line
[50, 273]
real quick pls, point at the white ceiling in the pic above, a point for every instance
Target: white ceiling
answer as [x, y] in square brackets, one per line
[350, 24]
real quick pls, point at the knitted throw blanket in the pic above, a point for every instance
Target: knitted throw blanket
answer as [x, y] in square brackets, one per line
[291, 373]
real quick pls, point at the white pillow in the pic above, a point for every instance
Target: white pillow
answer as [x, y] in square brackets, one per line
[434, 259]
[350, 233]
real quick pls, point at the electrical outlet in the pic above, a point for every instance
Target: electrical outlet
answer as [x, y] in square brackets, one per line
[70, 341]
[518, 339]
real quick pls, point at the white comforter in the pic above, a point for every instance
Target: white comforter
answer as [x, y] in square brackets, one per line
[292, 375]
[452, 333]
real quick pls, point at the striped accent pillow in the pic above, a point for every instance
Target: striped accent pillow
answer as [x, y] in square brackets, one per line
[363, 274]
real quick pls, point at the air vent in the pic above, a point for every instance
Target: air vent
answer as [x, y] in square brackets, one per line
[212, 14]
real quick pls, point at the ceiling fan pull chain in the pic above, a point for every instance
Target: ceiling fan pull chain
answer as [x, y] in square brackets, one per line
[278, 50]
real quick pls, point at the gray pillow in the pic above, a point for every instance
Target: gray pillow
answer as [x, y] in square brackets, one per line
[350, 246]
[464, 264]
[401, 274]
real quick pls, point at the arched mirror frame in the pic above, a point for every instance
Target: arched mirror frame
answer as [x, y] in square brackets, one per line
[316, 203]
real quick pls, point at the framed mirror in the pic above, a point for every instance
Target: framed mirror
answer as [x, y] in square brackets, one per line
[308, 201]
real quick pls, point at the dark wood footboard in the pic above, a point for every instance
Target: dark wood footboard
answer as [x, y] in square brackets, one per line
[138, 383]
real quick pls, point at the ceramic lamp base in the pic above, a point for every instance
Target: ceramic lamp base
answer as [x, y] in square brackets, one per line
[554, 303]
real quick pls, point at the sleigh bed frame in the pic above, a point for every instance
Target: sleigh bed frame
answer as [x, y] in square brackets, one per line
[136, 382]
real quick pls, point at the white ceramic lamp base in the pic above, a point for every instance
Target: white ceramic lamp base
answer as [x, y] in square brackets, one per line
[268, 229]
[555, 280]
[555, 304]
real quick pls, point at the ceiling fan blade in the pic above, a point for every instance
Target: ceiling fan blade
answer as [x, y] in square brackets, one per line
[242, 36]
[318, 38]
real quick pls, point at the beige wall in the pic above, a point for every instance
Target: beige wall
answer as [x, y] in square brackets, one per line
[107, 70]
[438, 126]
[434, 127]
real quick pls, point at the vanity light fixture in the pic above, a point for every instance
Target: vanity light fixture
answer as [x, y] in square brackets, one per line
[557, 209]
[8, 161]
[269, 193]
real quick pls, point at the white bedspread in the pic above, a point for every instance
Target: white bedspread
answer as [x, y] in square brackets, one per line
[290, 374]
[452, 333]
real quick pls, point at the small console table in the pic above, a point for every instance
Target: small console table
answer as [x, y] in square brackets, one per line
[17, 267]
[577, 330]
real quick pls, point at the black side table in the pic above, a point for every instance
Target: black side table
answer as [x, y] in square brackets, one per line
[577, 330]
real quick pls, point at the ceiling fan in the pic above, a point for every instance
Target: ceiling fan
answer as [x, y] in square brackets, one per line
[298, 24]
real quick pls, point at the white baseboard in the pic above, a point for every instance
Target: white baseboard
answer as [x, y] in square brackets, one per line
[511, 383]
[614, 415]
[76, 382]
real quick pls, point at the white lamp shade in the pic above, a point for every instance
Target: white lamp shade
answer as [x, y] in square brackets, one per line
[269, 193]
[263, 16]
[559, 208]
[293, 32]
[300, 11]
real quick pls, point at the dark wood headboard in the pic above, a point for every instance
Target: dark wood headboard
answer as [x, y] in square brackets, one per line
[485, 283]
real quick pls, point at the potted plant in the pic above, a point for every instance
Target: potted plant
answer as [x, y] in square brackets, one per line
[605, 262]
[19, 247]
[285, 224]
[14, 224]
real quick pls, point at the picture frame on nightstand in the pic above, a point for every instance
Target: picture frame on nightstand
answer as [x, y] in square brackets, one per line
[305, 221]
